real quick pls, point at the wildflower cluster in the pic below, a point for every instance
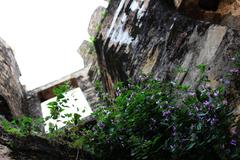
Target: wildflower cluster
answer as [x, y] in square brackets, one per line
[150, 119]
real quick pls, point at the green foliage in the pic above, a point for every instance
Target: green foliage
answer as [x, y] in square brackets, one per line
[181, 70]
[56, 111]
[23, 126]
[104, 13]
[161, 120]
[237, 60]
[92, 40]
[148, 119]
[57, 107]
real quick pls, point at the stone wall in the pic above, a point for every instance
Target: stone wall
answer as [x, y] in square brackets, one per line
[10, 88]
[152, 37]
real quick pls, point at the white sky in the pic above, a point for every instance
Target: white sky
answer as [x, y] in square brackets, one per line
[45, 36]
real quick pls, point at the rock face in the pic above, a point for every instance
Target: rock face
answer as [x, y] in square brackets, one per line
[152, 37]
[5, 153]
[13, 96]
[95, 22]
[10, 88]
[87, 52]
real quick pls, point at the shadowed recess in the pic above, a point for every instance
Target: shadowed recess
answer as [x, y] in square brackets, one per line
[4, 109]
[209, 5]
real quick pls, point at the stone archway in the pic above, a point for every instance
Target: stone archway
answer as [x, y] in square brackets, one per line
[4, 109]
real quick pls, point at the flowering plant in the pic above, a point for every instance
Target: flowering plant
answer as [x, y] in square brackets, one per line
[150, 119]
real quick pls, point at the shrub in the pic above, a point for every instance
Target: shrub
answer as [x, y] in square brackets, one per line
[162, 120]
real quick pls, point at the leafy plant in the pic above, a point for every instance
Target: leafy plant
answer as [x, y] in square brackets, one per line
[23, 126]
[149, 119]
[57, 107]
[161, 120]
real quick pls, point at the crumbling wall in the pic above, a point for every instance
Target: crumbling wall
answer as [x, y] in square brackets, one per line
[10, 87]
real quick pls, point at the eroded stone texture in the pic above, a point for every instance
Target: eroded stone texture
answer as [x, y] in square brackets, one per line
[86, 83]
[13, 95]
[95, 21]
[150, 36]
[33, 104]
[10, 88]
[5, 153]
[87, 52]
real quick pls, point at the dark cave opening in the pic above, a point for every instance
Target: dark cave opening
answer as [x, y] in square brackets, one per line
[4, 109]
[209, 5]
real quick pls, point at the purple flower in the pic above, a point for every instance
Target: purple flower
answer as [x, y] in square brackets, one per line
[166, 113]
[234, 70]
[216, 94]
[100, 124]
[233, 142]
[174, 130]
[170, 107]
[206, 103]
